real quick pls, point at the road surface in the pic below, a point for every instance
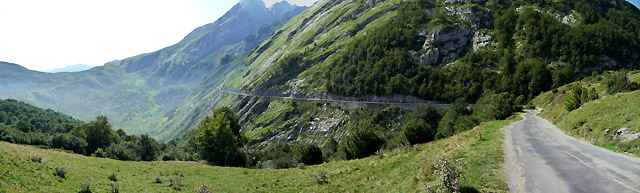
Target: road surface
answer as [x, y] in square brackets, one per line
[540, 158]
[348, 104]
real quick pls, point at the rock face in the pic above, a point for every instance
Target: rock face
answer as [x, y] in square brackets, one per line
[625, 135]
[443, 47]
[481, 39]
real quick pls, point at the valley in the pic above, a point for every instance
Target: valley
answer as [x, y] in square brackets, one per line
[343, 95]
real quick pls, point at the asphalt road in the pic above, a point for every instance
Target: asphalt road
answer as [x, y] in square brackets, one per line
[541, 158]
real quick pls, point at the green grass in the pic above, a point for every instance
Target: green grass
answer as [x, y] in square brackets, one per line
[404, 169]
[591, 120]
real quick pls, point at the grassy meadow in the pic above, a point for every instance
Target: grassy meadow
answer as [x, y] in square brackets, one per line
[402, 170]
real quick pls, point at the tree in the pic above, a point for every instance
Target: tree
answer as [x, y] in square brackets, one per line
[421, 125]
[361, 143]
[308, 154]
[24, 126]
[495, 106]
[147, 148]
[218, 137]
[99, 134]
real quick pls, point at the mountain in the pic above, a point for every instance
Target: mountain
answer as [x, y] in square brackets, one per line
[72, 68]
[136, 92]
[398, 51]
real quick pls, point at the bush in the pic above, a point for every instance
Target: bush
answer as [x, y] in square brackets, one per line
[86, 187]
[204, 188]
[361, 143]
[113, 177]
[115, 188]
[321, 177]
[309, 154]
[158, 179]
[421, 125]
[619, 82]
[449, 174]
[175, 183]
[36, 158]
[61, 171]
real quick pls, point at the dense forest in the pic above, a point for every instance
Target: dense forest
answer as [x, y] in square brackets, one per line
[533, 52]
[25, 124]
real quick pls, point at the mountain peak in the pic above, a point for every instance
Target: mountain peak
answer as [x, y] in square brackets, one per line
[252, 4]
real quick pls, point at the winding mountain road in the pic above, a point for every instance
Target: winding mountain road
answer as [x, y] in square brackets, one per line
[343, 103]
[540, 158]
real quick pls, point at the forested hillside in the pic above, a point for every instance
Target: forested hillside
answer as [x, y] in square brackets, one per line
[465, 51]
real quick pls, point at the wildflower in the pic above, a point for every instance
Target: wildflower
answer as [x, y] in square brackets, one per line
[454, 182]
[424, 184]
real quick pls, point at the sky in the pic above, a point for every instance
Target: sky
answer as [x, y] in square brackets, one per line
[44, 34]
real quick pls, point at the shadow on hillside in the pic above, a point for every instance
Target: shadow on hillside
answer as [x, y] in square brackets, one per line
[468, 189]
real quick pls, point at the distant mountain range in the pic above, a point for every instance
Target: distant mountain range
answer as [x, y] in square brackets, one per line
[72, 68]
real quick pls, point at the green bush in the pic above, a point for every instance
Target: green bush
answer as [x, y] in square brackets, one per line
[619, 82]
[449, 173]
[115, 188]
[86, 187]
[113, 177]
[204, 188]
[361, 143]
[321, 177]
[175, 182]
[421, 125]
[308, 154]
[60, 171]
[36, 158]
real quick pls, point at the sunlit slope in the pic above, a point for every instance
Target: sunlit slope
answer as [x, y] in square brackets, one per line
[403, 169]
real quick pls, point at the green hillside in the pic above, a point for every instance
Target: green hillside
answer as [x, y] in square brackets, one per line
[403, 169]
[431, 50]
[596, 120]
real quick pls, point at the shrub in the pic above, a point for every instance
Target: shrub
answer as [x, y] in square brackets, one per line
[204, 188]
[86, 187]
[321, 177]
[308, 154]
[421, 125]
[361, 143]
[115, 188]
[158, 180]
[449, 174]
[175, 183]
[36, 158]
[113, 177]
[61, 171]
[301, 166]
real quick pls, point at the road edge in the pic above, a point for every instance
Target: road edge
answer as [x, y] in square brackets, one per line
[513, 171]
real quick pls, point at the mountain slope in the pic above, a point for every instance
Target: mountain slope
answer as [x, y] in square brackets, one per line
[136, 92]
[437, 50]
[599, 119]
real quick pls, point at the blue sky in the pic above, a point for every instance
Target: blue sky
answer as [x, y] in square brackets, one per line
[636, 3]
[46, 34]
